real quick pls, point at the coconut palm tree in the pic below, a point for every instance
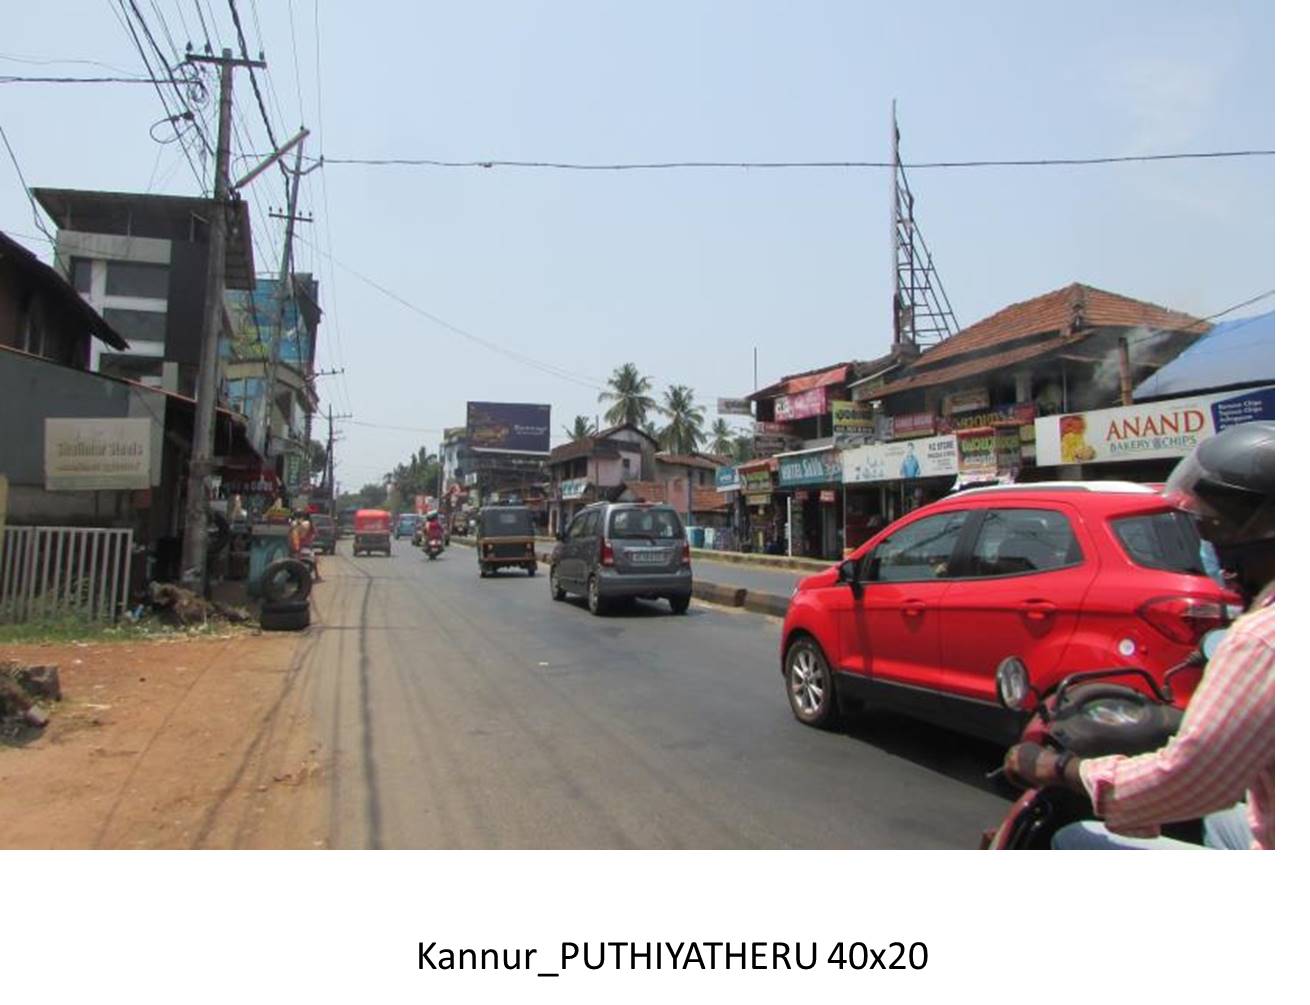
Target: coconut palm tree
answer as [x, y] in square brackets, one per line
[582, 428]
[721, 437]
[685, 433]
[628, 392]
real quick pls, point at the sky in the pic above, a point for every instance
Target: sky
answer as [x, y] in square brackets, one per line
[686, 273]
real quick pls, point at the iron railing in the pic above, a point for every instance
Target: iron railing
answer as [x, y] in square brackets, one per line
[57, 572]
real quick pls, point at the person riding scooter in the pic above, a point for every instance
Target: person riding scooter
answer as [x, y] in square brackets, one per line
[1223, 750]
[434, 535]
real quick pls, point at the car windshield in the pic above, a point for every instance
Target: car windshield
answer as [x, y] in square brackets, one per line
[504, 522]
[1168, 541]
[662, 523]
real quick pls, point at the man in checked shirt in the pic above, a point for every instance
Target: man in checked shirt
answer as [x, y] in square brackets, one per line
[1220, 764]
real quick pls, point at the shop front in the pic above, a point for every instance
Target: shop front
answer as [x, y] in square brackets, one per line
[764, 527]
[812, 480]
[884, 481]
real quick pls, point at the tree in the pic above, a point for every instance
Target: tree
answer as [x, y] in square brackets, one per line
[720, 437]
[743, 448]
[628, 392]
[685, 433]
[317, 457]
[371, 496]
[581, 429]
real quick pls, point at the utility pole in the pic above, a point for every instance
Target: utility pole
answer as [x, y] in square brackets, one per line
[332, 461]
[195, 544]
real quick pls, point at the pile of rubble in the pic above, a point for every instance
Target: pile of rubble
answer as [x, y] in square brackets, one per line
[182, 608]
[23, 690]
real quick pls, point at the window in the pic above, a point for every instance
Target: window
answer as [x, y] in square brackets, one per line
[1012, 542]
[920, 551]
[645, 523]
[82, 276]
[577, 527]
[136, 279]
[136, 326]
[1168, 541]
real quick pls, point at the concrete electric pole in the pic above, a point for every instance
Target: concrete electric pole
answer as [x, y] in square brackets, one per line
[196, 539]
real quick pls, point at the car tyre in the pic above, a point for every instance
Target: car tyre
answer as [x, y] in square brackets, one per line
[271, 583]
[482, 570]
[284, 617]
[556, 591]
[679, 604]
[595, 602]
[809, 681]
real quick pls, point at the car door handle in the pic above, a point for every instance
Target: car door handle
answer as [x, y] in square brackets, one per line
[1036, 610]
[913, 608]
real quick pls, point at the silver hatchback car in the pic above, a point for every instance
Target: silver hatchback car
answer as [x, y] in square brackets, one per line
[614, 551]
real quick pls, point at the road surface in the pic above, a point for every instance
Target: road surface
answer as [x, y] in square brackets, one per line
[458, 712]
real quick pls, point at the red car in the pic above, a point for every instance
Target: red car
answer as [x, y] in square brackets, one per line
[1066, 576]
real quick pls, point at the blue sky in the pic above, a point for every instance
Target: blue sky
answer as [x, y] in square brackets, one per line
[684, 273]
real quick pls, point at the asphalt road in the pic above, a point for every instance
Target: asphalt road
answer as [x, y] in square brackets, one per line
[752, 577]
[459, 712]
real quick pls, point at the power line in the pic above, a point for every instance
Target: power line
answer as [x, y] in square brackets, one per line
[12, 79]
[254, 81]
[32, 61]
[787, 165]
[1207, 319]
[36, 216]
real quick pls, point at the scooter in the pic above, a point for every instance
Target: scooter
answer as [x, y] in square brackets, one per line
[434, 542]
[1089, 716]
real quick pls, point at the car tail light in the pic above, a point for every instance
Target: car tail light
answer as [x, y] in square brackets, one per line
[1183, 619]
[606, 552]
[686, 553]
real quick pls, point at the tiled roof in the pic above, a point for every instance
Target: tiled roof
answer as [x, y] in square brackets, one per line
[587, 446]
[686, 460]
[708, 500]
[968, 368]
[1077, 307]
[806, 381]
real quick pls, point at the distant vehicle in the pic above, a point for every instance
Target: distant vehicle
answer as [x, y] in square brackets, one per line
[506, 539]
[1064, 576]
[346, 522]
[325, 533]
[372, 531]
[619, 551]
[405, 524]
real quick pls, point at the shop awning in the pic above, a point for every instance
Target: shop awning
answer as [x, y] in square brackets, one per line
[1230, 354]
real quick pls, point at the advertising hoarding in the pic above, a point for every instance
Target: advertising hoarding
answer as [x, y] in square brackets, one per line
[913, 424]
[502, 425]
[930, 457]
[801, 406]
[1161, 429]
[91, 454]
[819, 468]
[734, 406]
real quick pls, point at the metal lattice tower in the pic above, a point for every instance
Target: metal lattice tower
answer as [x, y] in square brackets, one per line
[921, 313]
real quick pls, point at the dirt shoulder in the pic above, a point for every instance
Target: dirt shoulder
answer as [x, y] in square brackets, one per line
[177, 743]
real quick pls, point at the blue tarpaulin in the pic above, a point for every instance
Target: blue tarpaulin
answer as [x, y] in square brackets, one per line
[1232, 353]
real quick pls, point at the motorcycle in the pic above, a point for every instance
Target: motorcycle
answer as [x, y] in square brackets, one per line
[434, 539]
[1089, 716]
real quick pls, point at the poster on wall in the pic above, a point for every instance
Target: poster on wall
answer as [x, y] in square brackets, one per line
[1161, 429]
[930, 457]
[504, 425]
[97, 454]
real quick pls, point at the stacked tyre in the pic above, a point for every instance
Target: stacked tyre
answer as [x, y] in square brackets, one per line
[285, 588]
[286, 616]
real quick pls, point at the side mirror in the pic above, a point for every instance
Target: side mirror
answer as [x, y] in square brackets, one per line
[1014, 688]
[849, 573]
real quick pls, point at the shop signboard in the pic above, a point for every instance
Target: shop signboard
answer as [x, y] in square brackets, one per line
[913, 424]
[734, 406]
[507, 425]
[977, 452]
[726, 479]
[759, 499]
[827, 495]
[803, 405]
[757, 481]
[1161, 429]
[929, 457]
[852, 417]
[818, 468]
[573, 488]
[966, 401]
[90, 454]
[1023, 413]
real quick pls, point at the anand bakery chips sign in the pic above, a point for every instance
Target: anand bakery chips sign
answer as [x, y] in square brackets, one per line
[1162, 429]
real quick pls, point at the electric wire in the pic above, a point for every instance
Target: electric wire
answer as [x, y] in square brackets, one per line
[36, 215]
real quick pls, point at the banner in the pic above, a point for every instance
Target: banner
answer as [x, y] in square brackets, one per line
[1023, 413]
[801, 406]
[966, 401]
[726, 479]
[498, 425]
[930, 457]
[818, 468]
[1162, 429]
[913, 424]
[734, 406]
[89, 454]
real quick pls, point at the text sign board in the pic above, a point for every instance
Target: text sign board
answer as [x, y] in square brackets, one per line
[573, 488]
[809, 469]
[83, 455]
[504, 425]
[930, 457]
[1161, 429]
[802, 405]
[726, 479]
[734, 406]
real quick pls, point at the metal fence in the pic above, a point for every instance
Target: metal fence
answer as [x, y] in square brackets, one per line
[55, 572]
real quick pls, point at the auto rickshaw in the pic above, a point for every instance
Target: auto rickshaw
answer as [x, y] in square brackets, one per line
[506, 538]
[372, 531]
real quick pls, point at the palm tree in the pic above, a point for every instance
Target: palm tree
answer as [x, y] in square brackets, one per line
[627, 391]
[743, 448]
[720, 437]
[582, 428]
[685, 433]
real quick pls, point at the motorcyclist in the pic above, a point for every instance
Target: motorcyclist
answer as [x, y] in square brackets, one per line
[1224, 748]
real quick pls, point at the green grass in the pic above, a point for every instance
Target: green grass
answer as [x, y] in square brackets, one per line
[78, 629]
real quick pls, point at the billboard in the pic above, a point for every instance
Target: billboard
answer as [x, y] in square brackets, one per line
[931, 457]
[503, 425]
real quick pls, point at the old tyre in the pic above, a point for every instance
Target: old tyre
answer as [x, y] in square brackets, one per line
[809, 680]
[680, 604]
[285, 580]
[556, 591]
[595, 602]
[287, 617]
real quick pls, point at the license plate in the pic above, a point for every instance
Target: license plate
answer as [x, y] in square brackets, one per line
[648, 557]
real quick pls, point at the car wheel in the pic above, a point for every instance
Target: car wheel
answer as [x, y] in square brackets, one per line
[680, 603]
[482, 571]
[556, 591]
[810, 685]
[284, 617]
[595, 602]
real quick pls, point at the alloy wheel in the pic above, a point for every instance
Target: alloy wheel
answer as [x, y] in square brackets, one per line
[806, 682]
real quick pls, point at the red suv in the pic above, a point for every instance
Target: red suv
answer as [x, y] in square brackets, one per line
[1066, 576]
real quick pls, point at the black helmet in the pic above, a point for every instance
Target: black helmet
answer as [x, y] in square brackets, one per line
[1227, 482]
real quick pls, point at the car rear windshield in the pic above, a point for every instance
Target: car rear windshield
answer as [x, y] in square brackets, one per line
[659, 523]
[503, 522]
[1168, 541]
